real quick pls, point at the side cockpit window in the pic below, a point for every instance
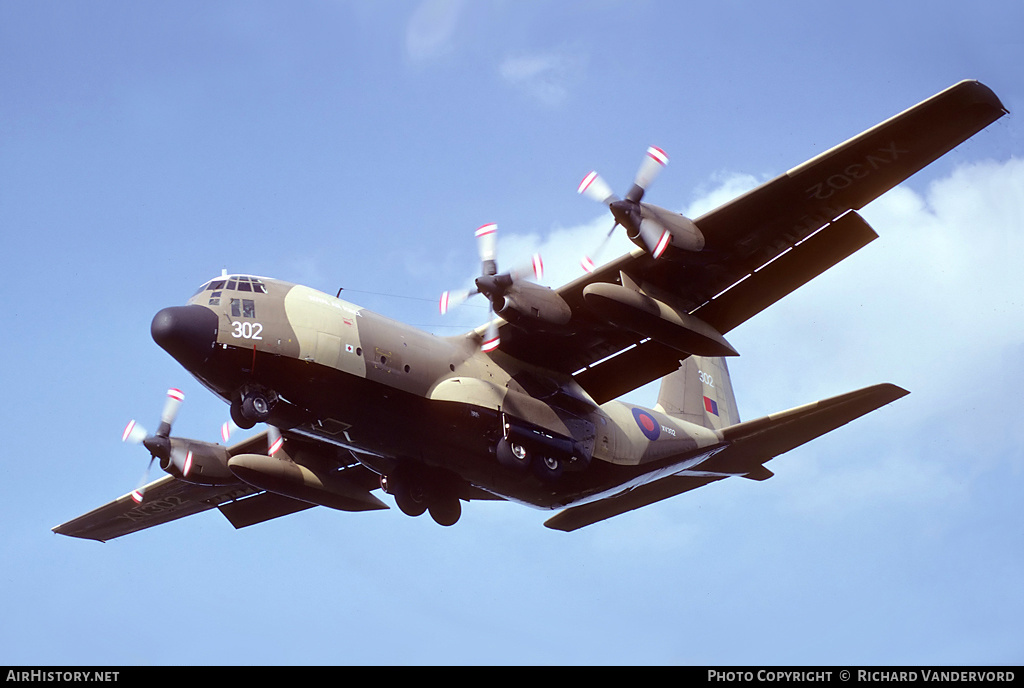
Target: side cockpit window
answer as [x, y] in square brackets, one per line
[243, 308]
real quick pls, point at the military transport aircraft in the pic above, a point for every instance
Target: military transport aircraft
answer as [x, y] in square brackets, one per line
[523, 408]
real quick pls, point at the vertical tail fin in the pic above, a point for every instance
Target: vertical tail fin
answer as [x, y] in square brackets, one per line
[700, 392]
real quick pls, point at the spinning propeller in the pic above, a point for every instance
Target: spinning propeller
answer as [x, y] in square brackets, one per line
[490, 283]
[159, 445]
[180, 456]
[274, 439]
[643, 226]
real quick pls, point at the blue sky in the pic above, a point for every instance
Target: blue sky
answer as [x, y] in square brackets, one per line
[146, 146]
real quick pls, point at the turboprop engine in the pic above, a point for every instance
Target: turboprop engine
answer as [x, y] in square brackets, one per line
[529, 303]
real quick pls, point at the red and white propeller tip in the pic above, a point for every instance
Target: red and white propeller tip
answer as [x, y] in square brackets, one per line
[450, 299]
[653, 163]
[486, 240]
[274, 440]
[133, 433]
[491, 339]
[174, 399]
[662, 243]
[596, 188]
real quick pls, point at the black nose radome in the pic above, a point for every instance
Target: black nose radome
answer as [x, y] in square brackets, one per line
[186, 332]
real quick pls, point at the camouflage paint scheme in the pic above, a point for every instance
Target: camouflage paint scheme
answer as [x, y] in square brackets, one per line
[361, 401]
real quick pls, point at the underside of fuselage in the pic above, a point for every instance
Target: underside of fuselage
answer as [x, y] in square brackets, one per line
[389, 430]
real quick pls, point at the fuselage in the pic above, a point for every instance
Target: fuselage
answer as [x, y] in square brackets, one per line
[394, 395]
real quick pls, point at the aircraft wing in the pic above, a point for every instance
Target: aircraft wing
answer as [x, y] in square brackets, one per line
[168, 499]
[758, 247]
[751, 445]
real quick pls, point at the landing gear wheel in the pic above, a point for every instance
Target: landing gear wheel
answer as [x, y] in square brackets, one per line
[410, 499]
[445, 510]
[512, 455]
[238, 419]
[255, 407]
[548, 468]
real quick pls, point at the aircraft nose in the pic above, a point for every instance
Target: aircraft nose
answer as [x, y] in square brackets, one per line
[186, 332]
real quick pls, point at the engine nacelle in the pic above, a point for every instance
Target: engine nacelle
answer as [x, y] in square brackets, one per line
[200, 463]
[684, 231]
[534, 304]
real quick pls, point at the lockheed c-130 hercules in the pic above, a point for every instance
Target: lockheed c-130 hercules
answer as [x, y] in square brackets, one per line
[523, 408]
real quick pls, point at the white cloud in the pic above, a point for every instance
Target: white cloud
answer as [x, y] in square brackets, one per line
[545, 77]
[935, 305]
[431, 27]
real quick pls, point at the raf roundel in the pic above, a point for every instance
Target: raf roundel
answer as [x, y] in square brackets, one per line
[648, 426]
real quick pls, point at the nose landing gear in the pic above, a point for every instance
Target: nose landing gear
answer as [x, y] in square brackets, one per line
[252, 406]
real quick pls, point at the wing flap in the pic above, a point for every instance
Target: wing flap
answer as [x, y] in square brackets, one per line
[649, 360]
[261, 507]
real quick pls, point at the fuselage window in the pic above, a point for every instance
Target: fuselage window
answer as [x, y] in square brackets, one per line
[215, 298]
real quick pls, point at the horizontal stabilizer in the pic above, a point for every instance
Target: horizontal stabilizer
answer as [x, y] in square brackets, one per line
[751, 444]
[756, 441]
[575, 517]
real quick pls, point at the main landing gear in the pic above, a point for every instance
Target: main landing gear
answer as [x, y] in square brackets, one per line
[516, 456]
[416, 494]
[547, 455]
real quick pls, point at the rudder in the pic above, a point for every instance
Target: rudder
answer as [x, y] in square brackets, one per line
[700, 392]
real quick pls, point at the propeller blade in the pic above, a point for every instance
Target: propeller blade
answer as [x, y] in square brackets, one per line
[172, 405]
[596, 188]
[227, 429]
[589, 263]
[653, 163]
[491, 340]
[138, 492]
[450, 299]
[274, 440]
[532, 271]
[655, 237]
[486, 241]
[133, 433]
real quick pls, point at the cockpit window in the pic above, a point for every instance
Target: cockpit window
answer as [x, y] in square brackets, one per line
[233, 283]
[243, 308]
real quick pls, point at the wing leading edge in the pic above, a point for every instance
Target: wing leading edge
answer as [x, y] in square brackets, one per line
[759, 247]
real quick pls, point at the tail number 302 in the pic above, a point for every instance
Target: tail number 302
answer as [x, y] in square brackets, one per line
[246, 330]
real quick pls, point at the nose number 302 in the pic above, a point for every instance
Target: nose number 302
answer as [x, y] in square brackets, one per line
[246, 330]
